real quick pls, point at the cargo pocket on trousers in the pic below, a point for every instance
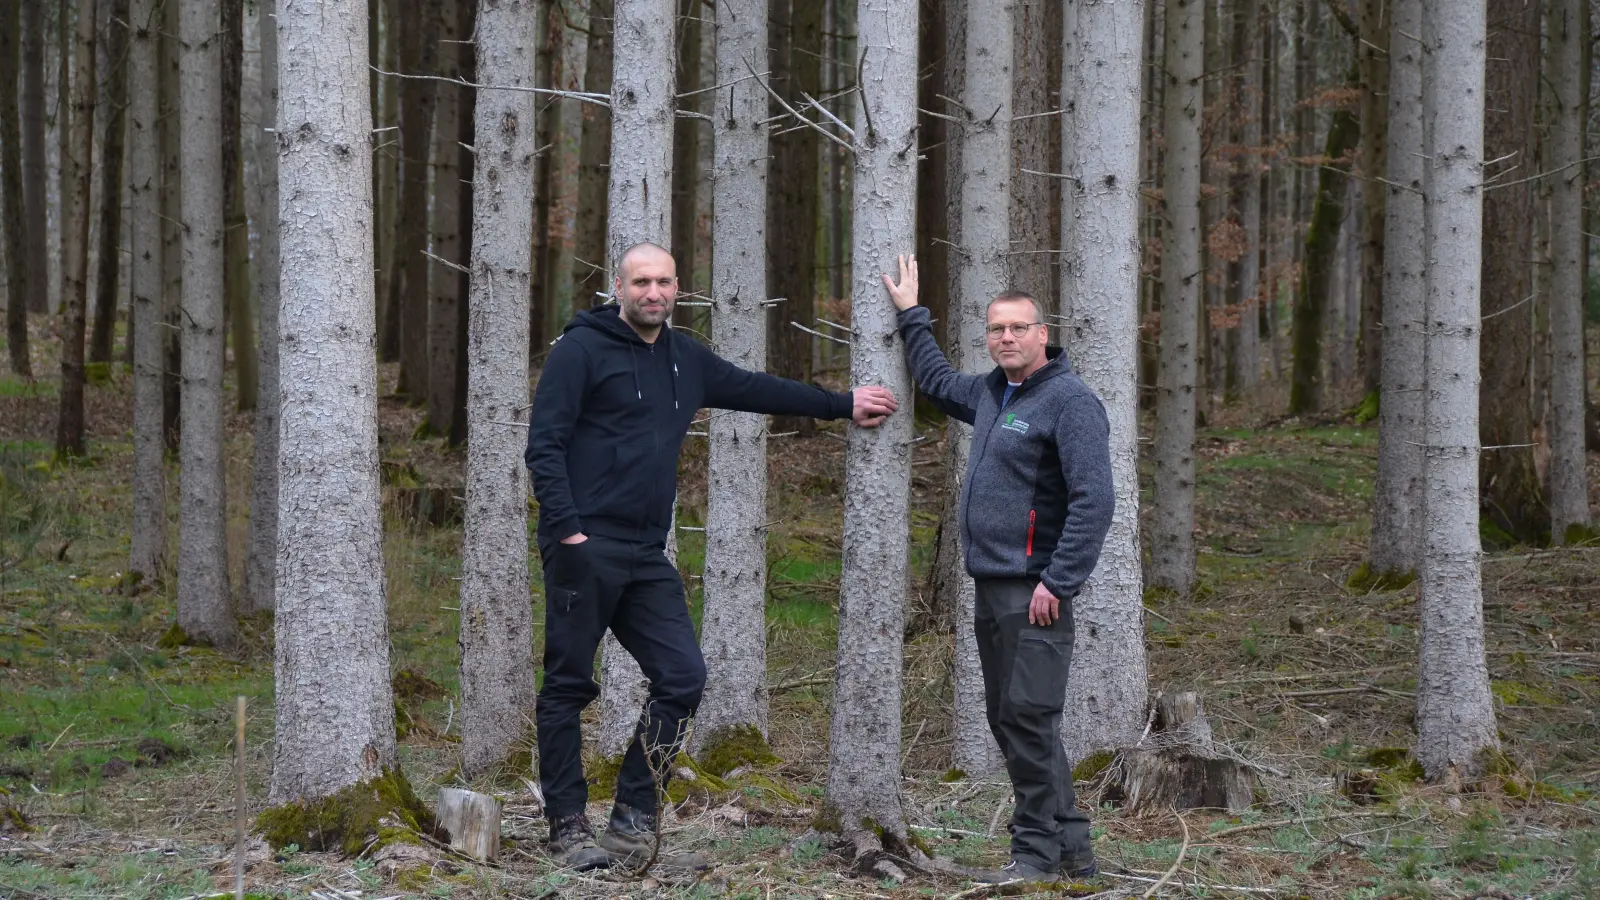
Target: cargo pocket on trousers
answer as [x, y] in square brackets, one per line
[563, 600]
[1039, 673]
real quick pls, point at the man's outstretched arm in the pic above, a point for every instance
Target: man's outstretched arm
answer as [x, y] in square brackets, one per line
[556, 403]
[956, 393]
[730, 387]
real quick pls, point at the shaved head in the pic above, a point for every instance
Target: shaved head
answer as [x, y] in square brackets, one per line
[640, 252]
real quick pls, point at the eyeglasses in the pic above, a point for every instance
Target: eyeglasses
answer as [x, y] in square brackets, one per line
[1017, 329]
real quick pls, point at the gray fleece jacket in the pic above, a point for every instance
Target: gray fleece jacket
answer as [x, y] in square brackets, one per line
[1037, 498]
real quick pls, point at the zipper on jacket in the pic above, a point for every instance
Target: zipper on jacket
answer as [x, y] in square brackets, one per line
[1032, 516]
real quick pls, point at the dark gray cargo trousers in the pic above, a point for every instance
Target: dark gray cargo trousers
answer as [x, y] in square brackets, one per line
[1025, 684]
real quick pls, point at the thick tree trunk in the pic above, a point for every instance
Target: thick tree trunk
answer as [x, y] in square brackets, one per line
[260, 573]
[33, 161]
[1374, 61]
[642, 108]
[149, 536]
[795, 198]
[1569, 486]
[864, 740]
[1455, 711]
[335, 709]
[236, 228]
[1172, 532]
[733, 631]
[1396, 545]
[589, 241]
[1307, 390]
[1106, 693]
[1513, 497]
[18, 276]
[75, 230]
[110, 237]
[981, 50]
[205, 604]
[444, 282]
[496, 620]
[408, 276]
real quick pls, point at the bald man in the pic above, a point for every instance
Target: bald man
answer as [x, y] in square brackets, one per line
[613, 404]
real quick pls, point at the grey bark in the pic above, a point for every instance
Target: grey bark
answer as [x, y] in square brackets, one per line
[982, 62]
[1396, 545]
[1569, 487]
[1102, 83]
[1455, 711]
[496, 618]
[75, 171]
[144, 233]
[1172, 531]
[205, 607]
[260, 574]
[640, 209]
[33, 156]
[14, 226]
[1033, 269]
[733, 630]
[444, 282]
[335, 710]
[108, 265]
[864, 737]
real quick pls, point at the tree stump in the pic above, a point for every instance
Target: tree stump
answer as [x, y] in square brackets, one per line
[1178, 767]
[470, 822]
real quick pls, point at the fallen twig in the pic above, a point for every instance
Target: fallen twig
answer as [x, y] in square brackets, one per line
[1304, 820]
[1176, 864]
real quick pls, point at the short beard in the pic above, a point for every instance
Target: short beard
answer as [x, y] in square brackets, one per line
[636, 314]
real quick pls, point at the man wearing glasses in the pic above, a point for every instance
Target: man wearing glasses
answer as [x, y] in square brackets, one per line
[1035, 506]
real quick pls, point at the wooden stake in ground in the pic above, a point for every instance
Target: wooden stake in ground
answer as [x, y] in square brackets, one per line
[471, 822]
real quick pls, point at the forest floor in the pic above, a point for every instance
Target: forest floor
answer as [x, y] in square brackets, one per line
[117, 750]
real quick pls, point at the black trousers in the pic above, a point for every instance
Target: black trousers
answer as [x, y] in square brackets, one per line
[1025, 685]
[631, 588]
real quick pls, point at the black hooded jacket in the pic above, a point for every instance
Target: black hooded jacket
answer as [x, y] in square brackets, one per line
[609, 418]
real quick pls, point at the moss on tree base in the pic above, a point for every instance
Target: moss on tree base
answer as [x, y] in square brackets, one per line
[381, 811]
[1366, 580]
[735, 746]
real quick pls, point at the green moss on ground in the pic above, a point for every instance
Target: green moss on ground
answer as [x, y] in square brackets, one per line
[1365, 580]
[1093, 765]
[380, 811]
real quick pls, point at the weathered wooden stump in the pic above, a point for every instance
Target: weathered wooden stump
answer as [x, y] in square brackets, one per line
[470, 822]
[1178, 766]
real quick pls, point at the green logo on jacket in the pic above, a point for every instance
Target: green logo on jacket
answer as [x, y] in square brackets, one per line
[1012, 423]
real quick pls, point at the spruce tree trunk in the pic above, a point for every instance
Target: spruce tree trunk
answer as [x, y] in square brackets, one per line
[1244, 356]
[260, 573]
[1172, 531]
[236, 228]
[444, 282]
[1106, 692]
[1032, 266]
[589, 240]
[75, 171]
[18, 276]
[1374, 61]
[171, 125]
[1569, 487]
[733, 631]
[982, 47]
[205, 603]
[1396, 545]
[149, 535]
[642, 109]
[1455, 710]
[1513, 497]
[408, 275]
[33, 161]
[109, 263]
[864, 738]
[1307, 390]
[795, 198]
[496, 619]
[334, 719]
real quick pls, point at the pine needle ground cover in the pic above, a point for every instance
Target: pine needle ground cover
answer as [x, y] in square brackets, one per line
[116, 746]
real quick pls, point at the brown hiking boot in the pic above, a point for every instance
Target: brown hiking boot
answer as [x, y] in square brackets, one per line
[630, 838]
[572, 841]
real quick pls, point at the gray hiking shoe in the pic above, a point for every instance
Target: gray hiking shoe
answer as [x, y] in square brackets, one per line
[630, 839]
[1015, 871]
[1082, 868]
[572, 841]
